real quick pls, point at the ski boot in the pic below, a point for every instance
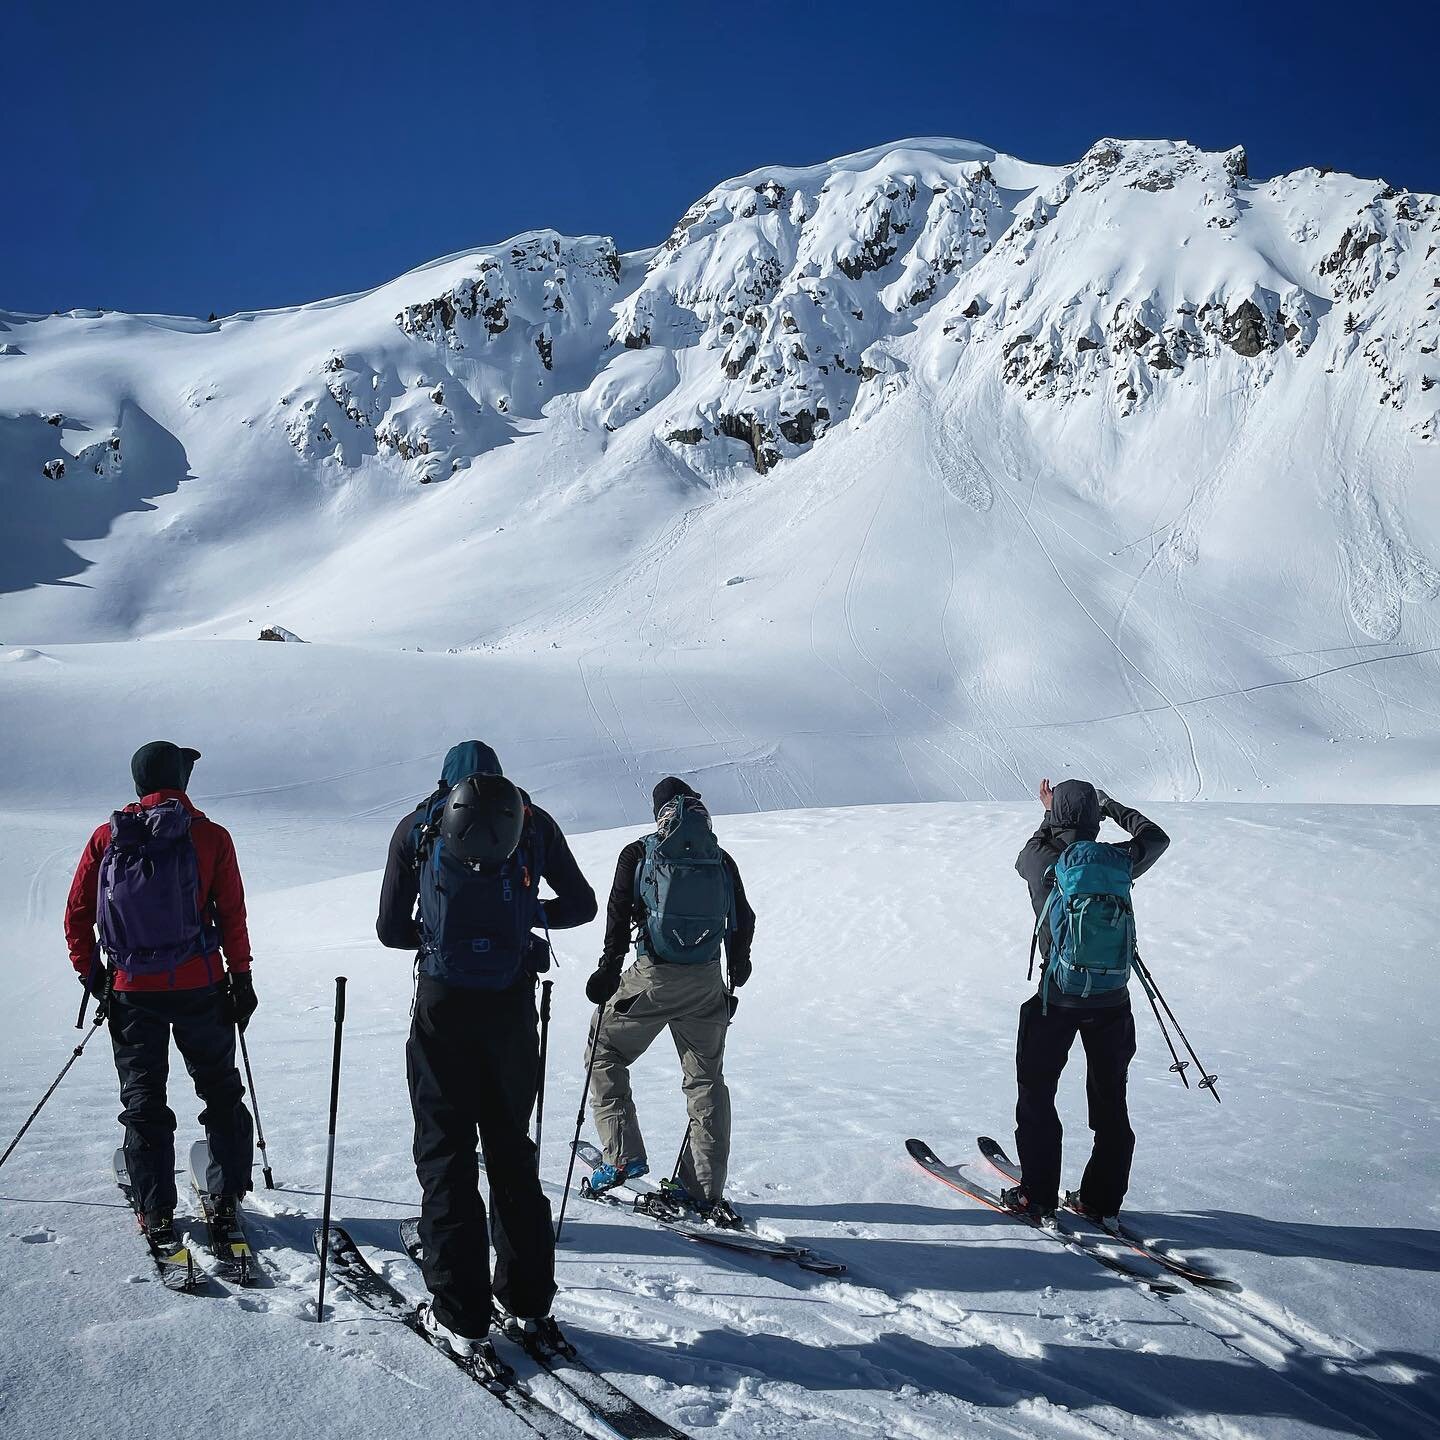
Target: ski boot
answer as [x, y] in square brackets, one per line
[162, 1237]
[607, 1176]
[476, 1352]
[1017, 1202]
[543, 1340]
[723, 1216]
[1090, 1213]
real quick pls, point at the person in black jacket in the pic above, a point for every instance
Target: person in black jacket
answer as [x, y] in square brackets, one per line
[1074, 810]
[473, 1064]
[692, 1000]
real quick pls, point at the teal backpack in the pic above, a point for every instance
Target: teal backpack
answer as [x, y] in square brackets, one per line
[684, 888]
[1092, 924]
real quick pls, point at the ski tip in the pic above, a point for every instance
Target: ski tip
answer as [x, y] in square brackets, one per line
[991, 1149]
[920, 1151]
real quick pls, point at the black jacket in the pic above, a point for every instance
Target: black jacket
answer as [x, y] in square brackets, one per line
[625, 910]
[573, 902]
[1147, 843]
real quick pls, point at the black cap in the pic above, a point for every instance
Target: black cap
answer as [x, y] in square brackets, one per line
[668, 789]
[162, 765]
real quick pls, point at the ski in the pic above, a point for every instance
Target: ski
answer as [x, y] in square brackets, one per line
[1003, 1165]
[955, 1177]
[630, 1198]
[177, 1268]
[571, 1370]
[354, 1274]
[228, 1242]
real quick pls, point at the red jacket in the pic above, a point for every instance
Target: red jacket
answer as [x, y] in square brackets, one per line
[220, 887]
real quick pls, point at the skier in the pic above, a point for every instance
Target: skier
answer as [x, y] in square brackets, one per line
[161, 873]
[472, 855]
[1080, 891]
[684, 897]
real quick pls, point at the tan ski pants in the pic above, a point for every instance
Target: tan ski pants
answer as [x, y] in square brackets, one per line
[692, 1001]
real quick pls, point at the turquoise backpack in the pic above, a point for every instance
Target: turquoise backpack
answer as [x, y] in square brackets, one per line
[684, 888]
[1092, 924]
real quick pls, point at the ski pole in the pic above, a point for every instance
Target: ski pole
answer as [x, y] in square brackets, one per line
[1207, 1080]
[330, 1149]
[259, 1124]
[1179, 1067]
[684, 1146]
[546, 986]
[102, 1009]
[580, 1118]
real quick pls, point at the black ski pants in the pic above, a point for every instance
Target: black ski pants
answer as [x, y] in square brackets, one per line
[473, 1062]
[1108, 1035]
[141, 1023]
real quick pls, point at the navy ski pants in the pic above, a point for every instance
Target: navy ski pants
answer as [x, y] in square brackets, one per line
[473, 1063]
[141, 1024]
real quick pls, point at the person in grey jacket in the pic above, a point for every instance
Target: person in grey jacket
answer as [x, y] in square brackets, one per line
[692, 1001]
[1074, 810]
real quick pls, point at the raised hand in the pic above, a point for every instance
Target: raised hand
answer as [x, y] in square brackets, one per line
[1047, 795]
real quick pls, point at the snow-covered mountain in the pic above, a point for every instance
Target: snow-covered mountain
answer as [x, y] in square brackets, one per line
[910, 477]
[968, 465]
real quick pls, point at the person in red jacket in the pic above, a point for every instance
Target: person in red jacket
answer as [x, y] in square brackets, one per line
[161, 882]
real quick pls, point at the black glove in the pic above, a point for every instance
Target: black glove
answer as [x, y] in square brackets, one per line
[602, 984]
[97, 982]
[1106, 803]
[740, 969]
[240, 1001]
[734, 1003]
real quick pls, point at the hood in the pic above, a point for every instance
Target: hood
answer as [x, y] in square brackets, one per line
[1075, 807]
[469, 757]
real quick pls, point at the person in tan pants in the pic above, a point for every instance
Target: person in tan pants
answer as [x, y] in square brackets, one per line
[682, 900]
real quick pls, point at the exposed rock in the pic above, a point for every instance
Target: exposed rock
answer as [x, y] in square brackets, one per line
[691, 436]
[1246, 330]
[280, 633]
[798, 429]
[53, 469]
[750, 431]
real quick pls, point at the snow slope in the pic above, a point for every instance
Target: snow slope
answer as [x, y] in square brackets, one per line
[1313, 1185]
[968, 461]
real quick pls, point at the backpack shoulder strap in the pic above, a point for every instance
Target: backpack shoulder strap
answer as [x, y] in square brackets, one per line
[425, 827]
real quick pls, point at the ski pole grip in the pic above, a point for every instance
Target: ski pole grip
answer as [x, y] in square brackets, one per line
[546, 986]
[339, 999]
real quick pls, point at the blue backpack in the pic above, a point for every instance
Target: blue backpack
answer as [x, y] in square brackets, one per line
[684, 887]
[475, 921]
[1092, 924]
[149, 913]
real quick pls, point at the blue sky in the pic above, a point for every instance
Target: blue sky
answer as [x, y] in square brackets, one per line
[159, 157]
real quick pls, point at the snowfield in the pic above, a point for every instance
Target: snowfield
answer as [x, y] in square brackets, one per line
[889, 964]
[874, 493]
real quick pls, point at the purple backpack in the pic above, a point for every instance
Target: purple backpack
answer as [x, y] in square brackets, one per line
[149, 911]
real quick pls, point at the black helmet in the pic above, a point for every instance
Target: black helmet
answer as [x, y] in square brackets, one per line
[483, 818]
